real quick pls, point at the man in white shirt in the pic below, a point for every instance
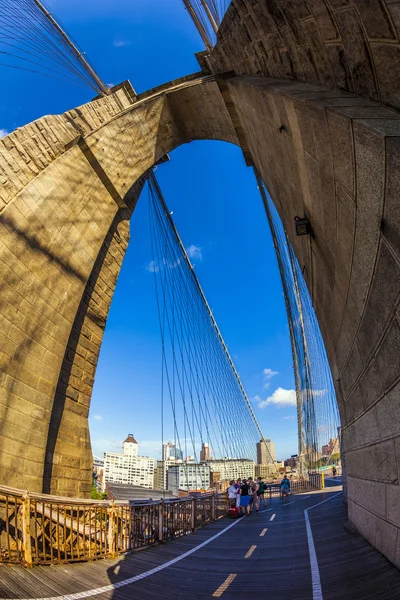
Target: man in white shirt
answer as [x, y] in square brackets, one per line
[232, 494]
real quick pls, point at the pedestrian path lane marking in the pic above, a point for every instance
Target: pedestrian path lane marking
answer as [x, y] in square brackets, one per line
[218, 593]
[273, 517]
[305, 498]
[287, 503]
[250, 551]
[315, 577]
[264, 531]
[114, 586]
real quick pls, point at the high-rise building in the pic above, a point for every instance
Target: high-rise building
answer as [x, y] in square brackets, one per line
[98, 473]
[270, 449]
[129, 467]
[170, 450]
[160, 479]
[205, 453]
[232, 468]
[265, 452]
[333, 447]
[188, 477]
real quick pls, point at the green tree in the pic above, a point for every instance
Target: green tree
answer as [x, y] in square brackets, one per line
[95, 495]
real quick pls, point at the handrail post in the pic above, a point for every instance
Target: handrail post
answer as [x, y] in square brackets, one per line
[111, 530]
[193, 514]
[161, 521]
[26, 530]
[213, 507]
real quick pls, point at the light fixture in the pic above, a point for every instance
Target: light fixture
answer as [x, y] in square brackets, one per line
[303, 226]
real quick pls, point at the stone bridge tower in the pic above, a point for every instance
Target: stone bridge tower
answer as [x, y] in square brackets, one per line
[311, 92]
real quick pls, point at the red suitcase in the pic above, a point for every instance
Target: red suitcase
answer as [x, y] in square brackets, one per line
[233, 513]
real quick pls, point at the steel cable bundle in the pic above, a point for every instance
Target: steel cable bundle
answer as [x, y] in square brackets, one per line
[31, 40]
[201, 392]
[318, 414]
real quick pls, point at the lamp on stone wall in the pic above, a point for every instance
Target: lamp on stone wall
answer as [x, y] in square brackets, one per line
[303, 226]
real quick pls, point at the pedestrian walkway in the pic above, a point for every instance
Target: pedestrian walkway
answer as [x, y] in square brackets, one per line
[274, 553]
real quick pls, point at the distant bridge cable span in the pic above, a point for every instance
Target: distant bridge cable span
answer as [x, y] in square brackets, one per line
[317, 409]
[202, 393]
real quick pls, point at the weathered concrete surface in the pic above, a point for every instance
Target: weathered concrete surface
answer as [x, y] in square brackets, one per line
[344, 45]
[337, 161]
[69, 185]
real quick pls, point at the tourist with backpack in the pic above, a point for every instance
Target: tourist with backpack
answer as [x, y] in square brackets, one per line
[261, 492]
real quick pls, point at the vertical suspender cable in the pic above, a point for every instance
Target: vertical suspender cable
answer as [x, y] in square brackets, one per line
[196, 281]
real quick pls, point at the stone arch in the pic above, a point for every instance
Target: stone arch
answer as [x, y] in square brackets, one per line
[70, 184]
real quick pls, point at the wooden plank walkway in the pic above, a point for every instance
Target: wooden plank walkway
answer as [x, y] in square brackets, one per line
[233, 561]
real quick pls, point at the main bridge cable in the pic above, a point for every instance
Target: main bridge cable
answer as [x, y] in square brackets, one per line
[30, 33]
[198, 286]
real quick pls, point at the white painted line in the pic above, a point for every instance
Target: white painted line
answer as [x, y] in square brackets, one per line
[305, 498]
[273, 517]
[315, 577]
[287, 503]
[250, 551]
[264, 531]
[222, 588]
[113, 586]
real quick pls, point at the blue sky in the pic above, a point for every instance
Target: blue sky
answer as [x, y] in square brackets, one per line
[217, 209]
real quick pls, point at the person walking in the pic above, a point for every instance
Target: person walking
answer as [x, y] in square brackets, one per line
[245, 497]
[253, 494]
[285, 487]
[237, 486]
[261, 492]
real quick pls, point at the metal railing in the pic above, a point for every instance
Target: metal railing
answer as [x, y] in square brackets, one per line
[314, 482]
[41, 529]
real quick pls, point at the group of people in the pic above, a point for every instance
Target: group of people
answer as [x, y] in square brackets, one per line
[246, 494]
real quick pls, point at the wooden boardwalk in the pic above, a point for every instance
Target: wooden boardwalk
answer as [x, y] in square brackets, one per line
[261, 556]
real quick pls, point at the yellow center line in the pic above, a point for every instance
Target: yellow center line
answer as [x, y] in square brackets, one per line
[264, 531]
[224, 586]
[250, 552]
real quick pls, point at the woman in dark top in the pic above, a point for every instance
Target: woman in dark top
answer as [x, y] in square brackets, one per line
[245, 497]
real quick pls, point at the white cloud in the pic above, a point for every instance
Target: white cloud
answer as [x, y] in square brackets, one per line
[194, 252]
[268, 374]
[97, 417]
[280, 397]
[121, 43]
[289, 418]
[152, 267]
[3, 132]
